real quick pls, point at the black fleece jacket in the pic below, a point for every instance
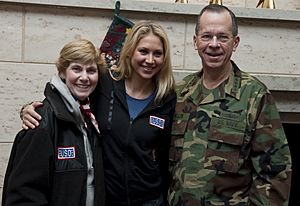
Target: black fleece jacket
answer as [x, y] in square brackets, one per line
[38, 175]
[135, 152]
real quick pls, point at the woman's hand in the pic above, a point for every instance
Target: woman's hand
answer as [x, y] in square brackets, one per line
[30, 118]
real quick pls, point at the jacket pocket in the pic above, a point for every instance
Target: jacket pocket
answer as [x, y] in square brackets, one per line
[178, 129]
[225, 141]
[69, 188]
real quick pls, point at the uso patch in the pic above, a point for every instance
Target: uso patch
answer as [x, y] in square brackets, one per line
[157, 122]
[64, 153]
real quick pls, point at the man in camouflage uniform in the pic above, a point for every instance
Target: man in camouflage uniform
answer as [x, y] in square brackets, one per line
[228, 144]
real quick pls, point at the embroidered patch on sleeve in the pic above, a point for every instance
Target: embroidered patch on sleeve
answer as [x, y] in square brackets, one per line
[157, 122]
[64, 153]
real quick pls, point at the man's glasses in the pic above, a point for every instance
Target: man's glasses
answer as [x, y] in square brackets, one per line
[221, 38]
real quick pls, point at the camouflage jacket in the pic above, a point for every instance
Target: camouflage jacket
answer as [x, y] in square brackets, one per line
[228, 145]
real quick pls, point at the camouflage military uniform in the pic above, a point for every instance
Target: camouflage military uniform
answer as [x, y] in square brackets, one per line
[228, 145]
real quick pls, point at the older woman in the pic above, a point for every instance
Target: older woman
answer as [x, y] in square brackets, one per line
[60, 162]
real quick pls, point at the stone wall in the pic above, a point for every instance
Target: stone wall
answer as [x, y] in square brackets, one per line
[32, 33]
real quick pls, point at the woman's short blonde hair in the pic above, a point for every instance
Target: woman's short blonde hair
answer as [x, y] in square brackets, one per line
[79, 51]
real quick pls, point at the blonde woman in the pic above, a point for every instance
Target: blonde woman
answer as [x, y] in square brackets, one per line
[135, 113]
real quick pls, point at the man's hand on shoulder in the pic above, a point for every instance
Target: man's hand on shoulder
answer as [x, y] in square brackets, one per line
[30, 118]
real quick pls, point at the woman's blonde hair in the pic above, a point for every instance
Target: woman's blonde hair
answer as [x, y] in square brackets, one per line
[79, 51]
[164, 79]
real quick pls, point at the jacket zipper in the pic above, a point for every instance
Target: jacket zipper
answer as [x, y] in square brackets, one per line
[126, 164]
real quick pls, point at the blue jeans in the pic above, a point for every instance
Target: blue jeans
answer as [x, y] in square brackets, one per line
[157, 202]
